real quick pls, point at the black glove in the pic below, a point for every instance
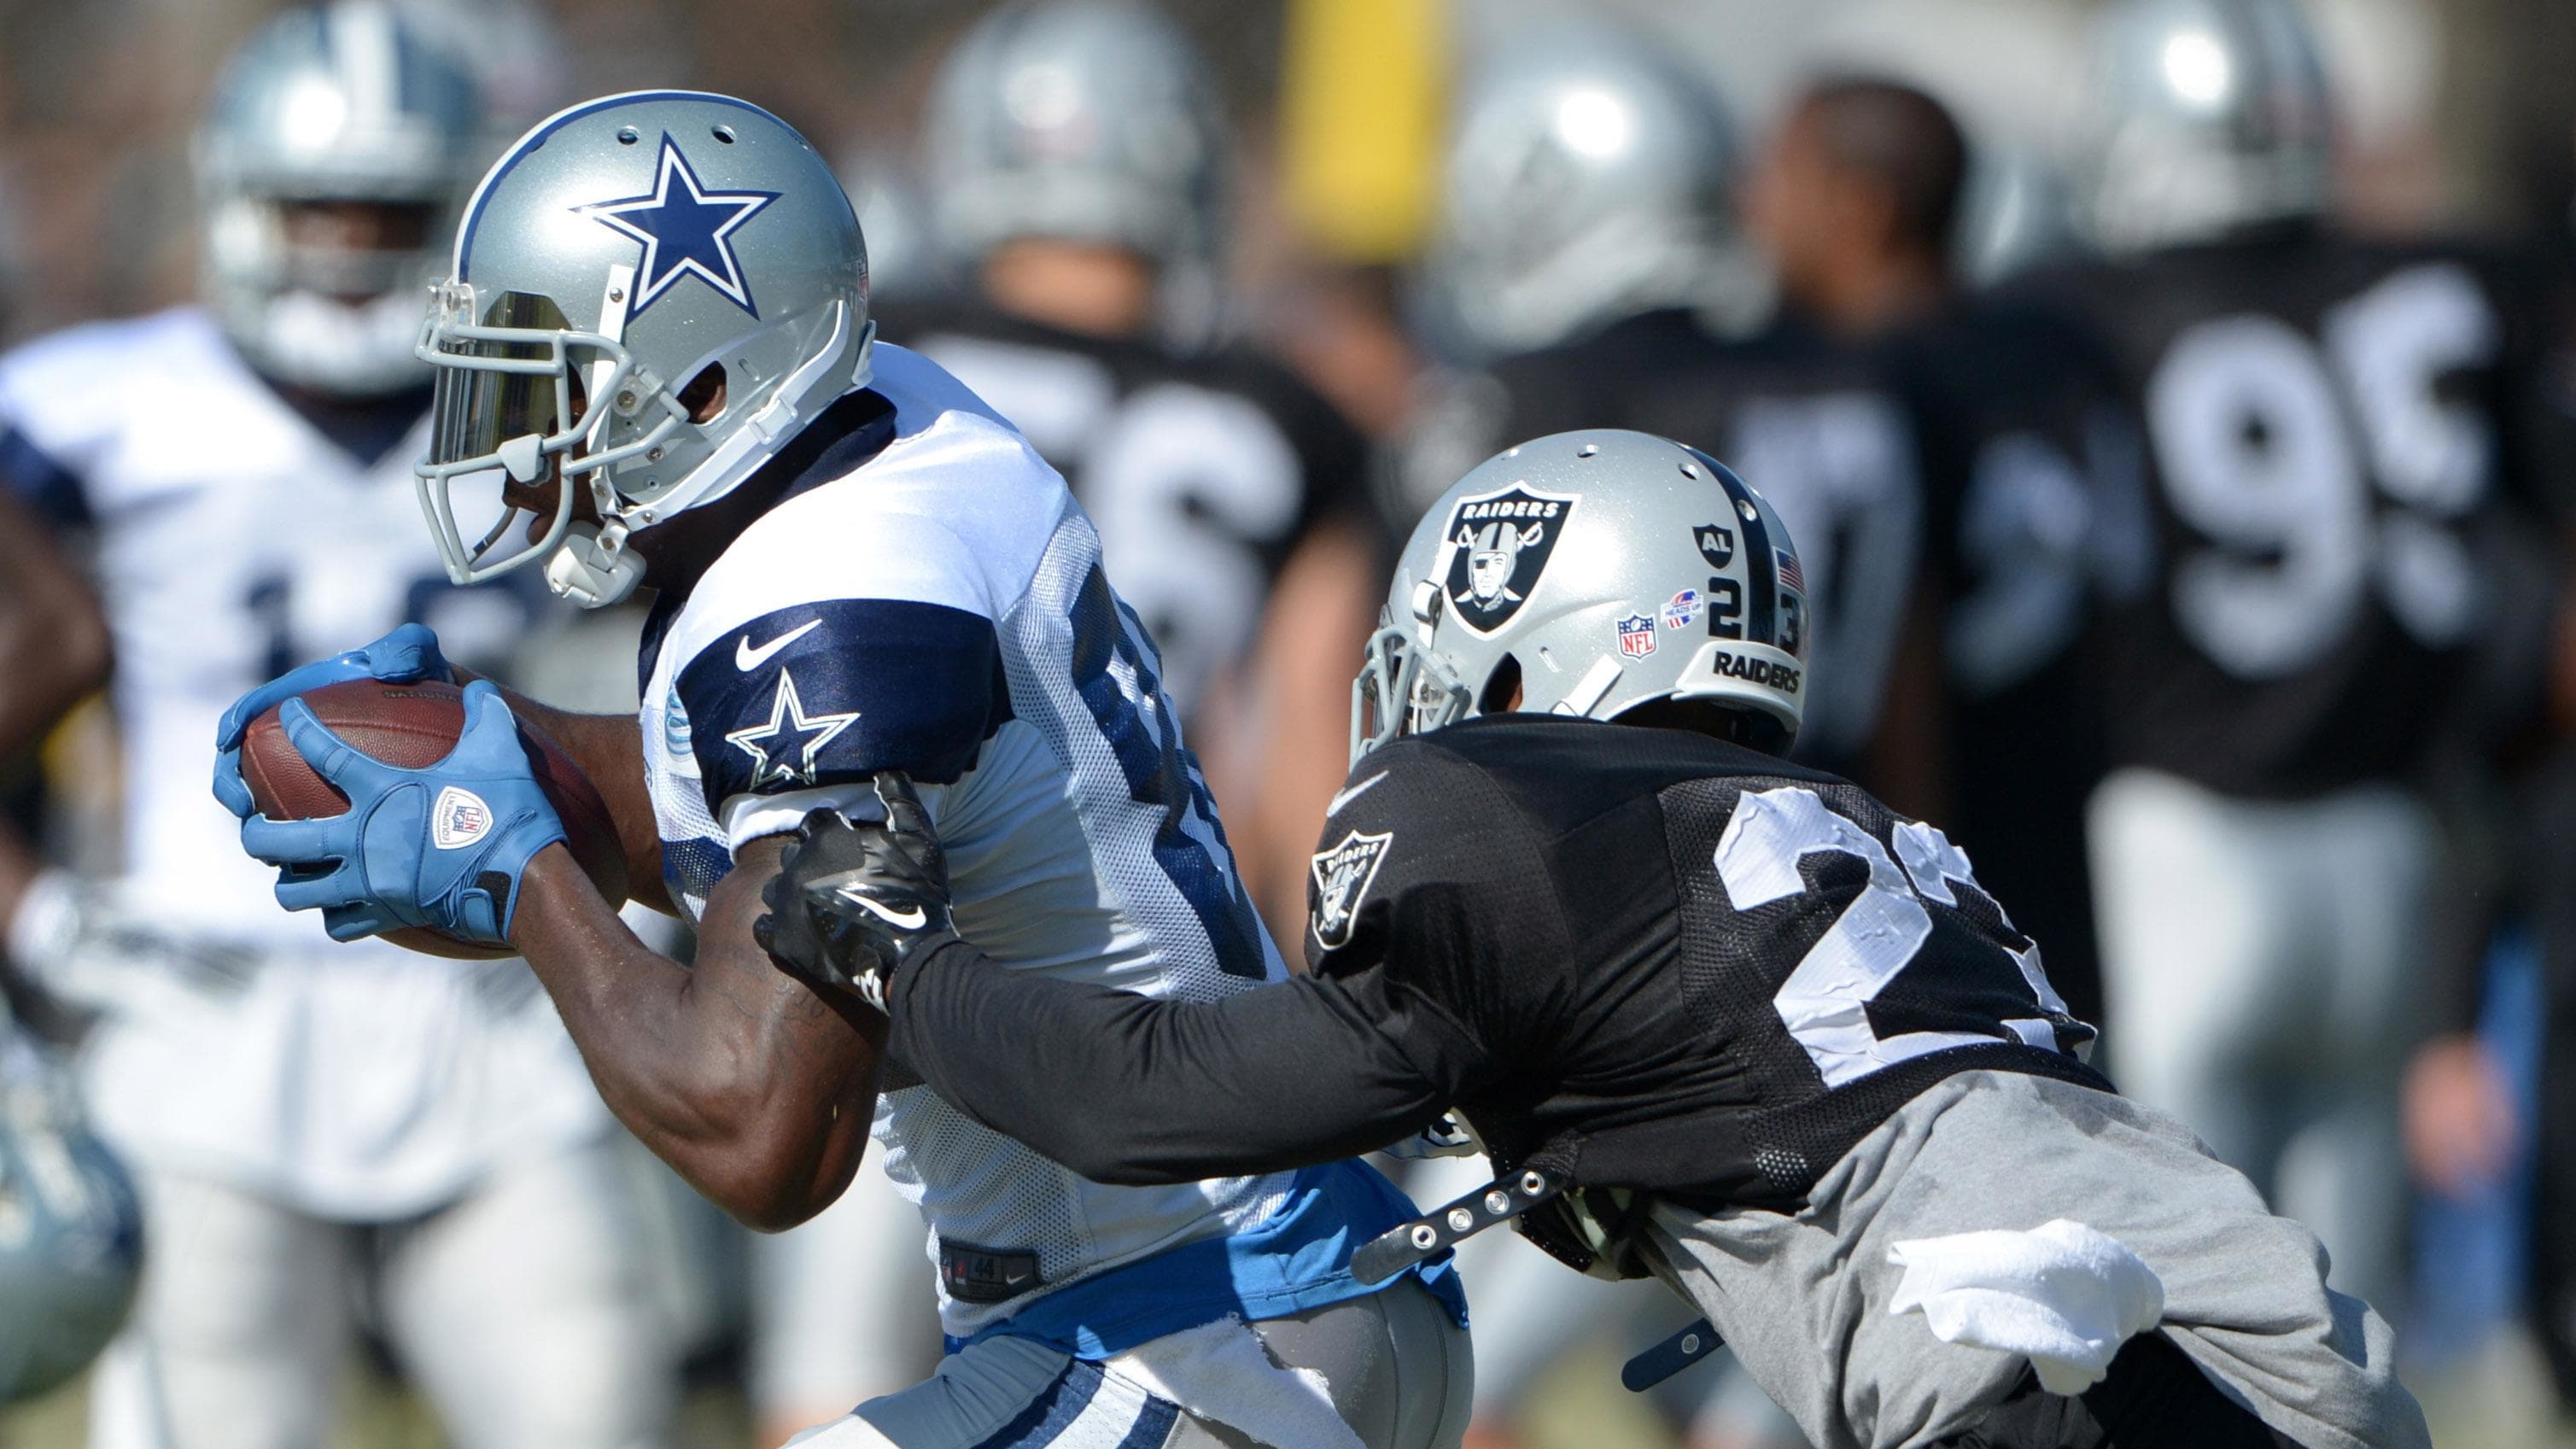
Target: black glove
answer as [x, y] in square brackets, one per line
[849, 902]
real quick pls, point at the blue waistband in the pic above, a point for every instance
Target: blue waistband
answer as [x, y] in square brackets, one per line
[1296, 1259]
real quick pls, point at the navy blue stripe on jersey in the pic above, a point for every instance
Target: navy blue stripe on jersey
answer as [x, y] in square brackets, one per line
[1052, 1411]
[834, 691]
[44, 485]
[691, 868]
[1160, 771]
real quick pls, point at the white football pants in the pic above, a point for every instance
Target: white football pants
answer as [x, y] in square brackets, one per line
[843, 1308]
[2257, 960]
[522, 1312]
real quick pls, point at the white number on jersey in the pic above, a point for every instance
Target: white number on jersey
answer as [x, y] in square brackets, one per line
[2252, 437]
[1825, 1001]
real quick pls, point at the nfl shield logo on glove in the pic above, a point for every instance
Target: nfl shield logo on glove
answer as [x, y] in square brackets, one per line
[458, 819]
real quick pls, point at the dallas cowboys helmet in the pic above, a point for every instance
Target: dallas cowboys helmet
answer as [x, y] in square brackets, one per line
[1587, 178]
[650, 294]
[2215, 116]
[71, 1232]
[344, 102]
[1079, 120]
[1591, 572]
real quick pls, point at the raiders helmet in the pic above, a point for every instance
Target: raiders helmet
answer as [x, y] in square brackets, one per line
[1079, 120]
[1591, 572]
[344, 102]
[1587, 178]
[2215, 115]
[650, 293]
[71, 1231]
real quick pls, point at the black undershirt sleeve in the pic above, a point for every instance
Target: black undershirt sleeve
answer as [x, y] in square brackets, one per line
[1132, 1090]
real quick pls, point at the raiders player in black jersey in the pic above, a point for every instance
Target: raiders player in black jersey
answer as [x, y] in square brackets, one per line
[1598, 277]
[1719, 1018]
[2338, 497]
[1088, 235]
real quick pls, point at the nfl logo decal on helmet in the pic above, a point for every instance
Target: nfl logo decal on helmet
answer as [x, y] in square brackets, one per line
[1636, 636]
[1343, 876]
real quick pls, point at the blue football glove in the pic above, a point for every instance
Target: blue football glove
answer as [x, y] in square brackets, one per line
[442, 847]
[406, 655]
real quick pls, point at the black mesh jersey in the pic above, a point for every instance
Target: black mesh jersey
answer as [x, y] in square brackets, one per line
[1203, 472]
[1811, 424]
[2340, 450]
[2036, 520]
[1679, 964]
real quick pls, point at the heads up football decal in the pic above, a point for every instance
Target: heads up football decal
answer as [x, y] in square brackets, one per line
[1343, 876]
[1500, 542]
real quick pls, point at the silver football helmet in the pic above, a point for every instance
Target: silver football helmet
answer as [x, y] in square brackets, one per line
[2215, 115]
[1591, 572]
[650, 294]
[71, 1230]
[1081, 120]
[340, 103]
[1587, 178]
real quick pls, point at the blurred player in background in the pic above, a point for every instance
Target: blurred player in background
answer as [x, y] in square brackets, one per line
[72, 1244]
[1589, 253]
[300, 1113]
[1081, 186]
[2336, 451]
[2031, 472]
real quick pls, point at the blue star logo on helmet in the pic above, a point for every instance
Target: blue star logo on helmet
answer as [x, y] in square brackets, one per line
[684, 229]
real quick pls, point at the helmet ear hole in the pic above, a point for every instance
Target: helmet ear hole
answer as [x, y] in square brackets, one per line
[1502, 691]
[704, 397]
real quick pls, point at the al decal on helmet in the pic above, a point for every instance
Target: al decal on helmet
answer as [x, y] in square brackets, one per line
[1499, 544]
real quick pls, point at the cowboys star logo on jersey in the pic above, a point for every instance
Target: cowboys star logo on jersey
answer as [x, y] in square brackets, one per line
[1343, 876]
[783, 748]
[685, 231]
[1500, 543]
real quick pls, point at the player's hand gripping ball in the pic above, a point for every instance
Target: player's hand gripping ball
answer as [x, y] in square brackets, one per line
[849, 902]
[411, 811]
[407, 654]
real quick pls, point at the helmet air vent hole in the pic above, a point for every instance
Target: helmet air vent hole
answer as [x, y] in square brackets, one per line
[628, 136]
[1689, 472]
[1588, 450]
[723, 134]
[1746, 508]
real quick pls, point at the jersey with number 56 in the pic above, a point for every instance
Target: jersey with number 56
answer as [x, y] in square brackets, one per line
[2340, 463]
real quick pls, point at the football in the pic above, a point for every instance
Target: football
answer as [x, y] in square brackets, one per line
[413, 726]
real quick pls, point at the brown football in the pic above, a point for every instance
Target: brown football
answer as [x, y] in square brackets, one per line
[413, 726]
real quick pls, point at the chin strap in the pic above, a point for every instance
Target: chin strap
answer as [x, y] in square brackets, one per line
[592, 567]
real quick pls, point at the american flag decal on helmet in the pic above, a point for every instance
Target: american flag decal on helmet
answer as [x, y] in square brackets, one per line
[1791, 576]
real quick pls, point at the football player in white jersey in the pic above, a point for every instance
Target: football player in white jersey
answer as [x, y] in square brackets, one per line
[297, 1111]
[655, 348]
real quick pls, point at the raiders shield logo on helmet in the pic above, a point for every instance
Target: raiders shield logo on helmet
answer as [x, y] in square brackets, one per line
[1343, 876]
[1500, 543]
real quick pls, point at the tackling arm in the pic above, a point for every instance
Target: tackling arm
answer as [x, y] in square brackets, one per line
[752, 1085]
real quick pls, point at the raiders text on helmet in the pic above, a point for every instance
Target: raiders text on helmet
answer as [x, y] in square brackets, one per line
[2215, 115]
[1078, 120]
[346, 103]
[1587, 179]
[1594, 571]
[651, 293]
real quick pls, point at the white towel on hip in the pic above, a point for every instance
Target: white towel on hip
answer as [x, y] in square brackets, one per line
[2062, 1294]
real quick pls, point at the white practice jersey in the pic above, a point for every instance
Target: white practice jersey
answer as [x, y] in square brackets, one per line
[940, 608]
[233, 541]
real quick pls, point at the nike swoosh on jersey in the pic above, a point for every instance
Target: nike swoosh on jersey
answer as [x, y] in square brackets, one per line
[1334, 806]
[747, 659]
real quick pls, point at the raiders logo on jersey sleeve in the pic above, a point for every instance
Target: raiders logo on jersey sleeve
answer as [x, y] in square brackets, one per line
[1499, 545]
[1343, 875]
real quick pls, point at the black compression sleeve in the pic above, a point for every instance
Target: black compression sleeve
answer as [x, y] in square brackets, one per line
[1127, 1089]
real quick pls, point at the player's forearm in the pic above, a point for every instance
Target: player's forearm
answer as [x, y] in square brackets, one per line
[1125, 1089]
[752, 1087]
[610, 752]
[53, 634]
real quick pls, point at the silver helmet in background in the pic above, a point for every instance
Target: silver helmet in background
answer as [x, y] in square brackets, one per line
[329, 168]
[71, 1229]
[651, 294]
[1077, 120]
[2215, 115]
[1589, 573]
[1587, 178]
